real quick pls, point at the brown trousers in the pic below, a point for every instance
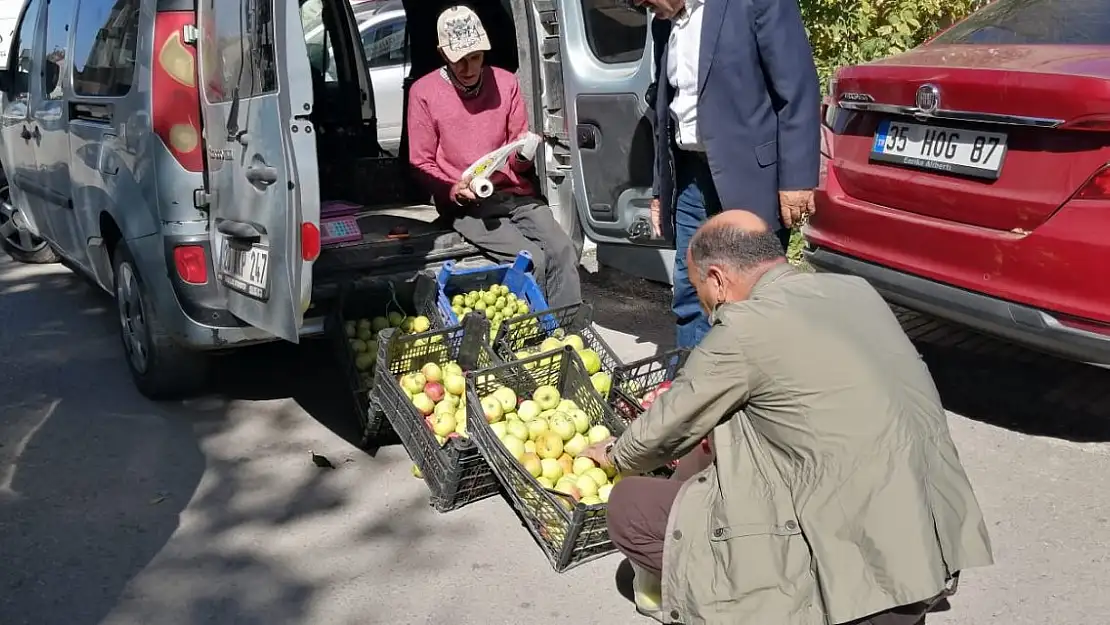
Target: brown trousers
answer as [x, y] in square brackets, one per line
[639, 508]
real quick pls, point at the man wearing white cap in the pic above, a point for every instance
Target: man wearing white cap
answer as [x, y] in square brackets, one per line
[462, 112]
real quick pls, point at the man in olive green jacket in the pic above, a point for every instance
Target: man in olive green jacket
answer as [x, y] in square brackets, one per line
[834, 492]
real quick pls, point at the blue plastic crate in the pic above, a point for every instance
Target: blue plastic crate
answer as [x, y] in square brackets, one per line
[517, 276]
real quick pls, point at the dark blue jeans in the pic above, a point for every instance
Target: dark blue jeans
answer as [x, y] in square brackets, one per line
[697, 201]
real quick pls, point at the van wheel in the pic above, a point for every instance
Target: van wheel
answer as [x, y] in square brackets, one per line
[15, 239]
[161, 368]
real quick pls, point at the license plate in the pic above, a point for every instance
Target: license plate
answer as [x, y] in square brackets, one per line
[945, 150]
[246, 270]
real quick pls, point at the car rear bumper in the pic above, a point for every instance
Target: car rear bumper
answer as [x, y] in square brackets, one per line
[1026, 325]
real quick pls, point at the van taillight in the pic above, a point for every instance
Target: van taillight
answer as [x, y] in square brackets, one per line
[1097, 186]
[175, 100]
[191, 264]
[310, 241]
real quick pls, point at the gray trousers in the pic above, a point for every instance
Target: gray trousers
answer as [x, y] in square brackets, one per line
[503, 225]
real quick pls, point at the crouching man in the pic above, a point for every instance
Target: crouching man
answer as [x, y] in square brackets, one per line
[462, 112]
[834, 493]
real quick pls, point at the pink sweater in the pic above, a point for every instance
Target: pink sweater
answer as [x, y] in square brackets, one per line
[447, 133]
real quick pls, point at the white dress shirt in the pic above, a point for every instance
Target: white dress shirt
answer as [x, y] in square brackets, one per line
[682, 74]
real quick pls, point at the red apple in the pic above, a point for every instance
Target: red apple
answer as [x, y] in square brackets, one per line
[664, 386]
[434, 391]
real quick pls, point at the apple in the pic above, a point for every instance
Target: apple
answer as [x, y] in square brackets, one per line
[492, 408]
[444, 408]
[586, 485]
[423, 403]
[434, 391]
[583, 464]
[601, 382]
[547, 414]
[550, 343]
[591, 500]
[597, 475]
[575, 341]
[610, 473]
[416, 472]
[548, 444]
[562, 425]
[551, 469]
[444, 424]
[363, 362]
[566, 405]
[581, 421]
[498, 429]
[440, 440]
[359, 346]
[507, 398]
[597, 434]
[567, 463]
[666, 384]
[432, 372]
[452, 368]
[591, 360]
[396, 319]
[379, 324]
[448, 398]
[546, 483]
[350, 328]
[567, 487]
[547, 397]
[531, 463]
[528, 410]
[517, 430]
[413, 382]
[603, 492]
[530, 446]
[514, 445]
[455, 383]
[576, 444]
[421, 324]
[364, 334]
[536, 428]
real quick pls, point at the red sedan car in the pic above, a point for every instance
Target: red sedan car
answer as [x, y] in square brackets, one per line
[969, 179]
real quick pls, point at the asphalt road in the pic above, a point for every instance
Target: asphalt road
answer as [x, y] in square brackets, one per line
[119, 511]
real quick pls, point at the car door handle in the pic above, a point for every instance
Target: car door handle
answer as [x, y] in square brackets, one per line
[240, 229]
[37, 135]
[262, 175]
[26, 134]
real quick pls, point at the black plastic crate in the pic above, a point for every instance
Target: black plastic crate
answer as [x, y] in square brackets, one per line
[569, 532]
[632, 381]
[524, 336]
[412, 299]
[452, 467]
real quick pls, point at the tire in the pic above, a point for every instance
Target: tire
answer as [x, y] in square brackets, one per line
[161, 369]
[22, 247]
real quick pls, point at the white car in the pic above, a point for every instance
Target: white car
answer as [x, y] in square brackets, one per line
[381, 26]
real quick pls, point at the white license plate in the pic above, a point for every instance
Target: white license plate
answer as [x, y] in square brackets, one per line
[937, 148]
[246, 270]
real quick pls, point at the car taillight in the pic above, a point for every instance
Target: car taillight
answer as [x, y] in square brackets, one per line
[175, 100]
[310, 241]
[1097, 186]
[191, 264]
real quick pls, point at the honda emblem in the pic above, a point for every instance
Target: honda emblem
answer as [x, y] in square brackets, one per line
[928, 98]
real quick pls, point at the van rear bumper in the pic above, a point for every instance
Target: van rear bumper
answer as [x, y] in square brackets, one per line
[1022, 324]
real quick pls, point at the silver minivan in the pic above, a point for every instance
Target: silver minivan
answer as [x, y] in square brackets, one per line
[179, 152]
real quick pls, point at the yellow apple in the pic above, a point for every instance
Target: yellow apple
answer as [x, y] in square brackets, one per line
[516, 429]
[597, 434]
[531, 463]
[514, 445]
[567, 463]
[498, 429]
[550, 469]
[586, 485]
[591, 500]
[574, 341]
[528, 410]
[530, 446]
[576, 444]
[562, 425]
[603, 492]
[597, 475]
[537, 428]
[546, 483]
[507, 397]
[583, 464]
[549, 445]
[550, 343]
[547, 397]
[492, 408]
[581, 421]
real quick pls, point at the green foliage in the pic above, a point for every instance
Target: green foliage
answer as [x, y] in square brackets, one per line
[847, 32]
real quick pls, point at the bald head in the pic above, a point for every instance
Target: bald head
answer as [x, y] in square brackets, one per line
[735, 240]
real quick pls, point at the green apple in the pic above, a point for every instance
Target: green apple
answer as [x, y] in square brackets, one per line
[364, 362]
[586, 485]
[351, 328]
[597, 475]
[576, 444]
[562, 426]
[566, 405]
[591, 500]
[601, 382]
[455, 384]
[507, 397]
[413, 382]
[530, 446]
[514, 445]
[528, 410]
[551, 469]
[396, 319]
[591, 360]
[452, 368]
[547, 397]
[444, 423]
[492, 408]
[583, 464]
[432, 372]
[444, 407]
[531, 463]
[546, 483]
[581, 421]
[597, 434]
[424, 404]
[516, 429]
[359, 346]
[379, 324]
[498, 429]
[603, 492]
[550, 343]
[574, 341]
[537, 428]
[549, 445]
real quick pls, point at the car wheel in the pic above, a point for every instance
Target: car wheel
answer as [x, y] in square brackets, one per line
[15, 239]
[161, 368]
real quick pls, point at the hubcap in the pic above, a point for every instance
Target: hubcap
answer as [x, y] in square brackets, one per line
[13, 228]
[131, 317]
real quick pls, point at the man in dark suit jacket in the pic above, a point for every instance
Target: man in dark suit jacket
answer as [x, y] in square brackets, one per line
[737, 124]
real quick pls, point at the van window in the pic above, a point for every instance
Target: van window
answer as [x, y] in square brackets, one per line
[1033, 22]
[321, 54]
[242, 50]
[385, 44]
[616, 30]
[24, 49]
[104, 43]
[59, 17]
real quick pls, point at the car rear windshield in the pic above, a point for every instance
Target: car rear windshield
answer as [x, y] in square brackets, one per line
[1033, 22]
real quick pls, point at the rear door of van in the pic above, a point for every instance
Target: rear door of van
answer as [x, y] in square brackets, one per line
[263, 186]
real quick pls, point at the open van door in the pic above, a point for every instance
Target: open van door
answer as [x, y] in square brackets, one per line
[263, 186]
[608, 66]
